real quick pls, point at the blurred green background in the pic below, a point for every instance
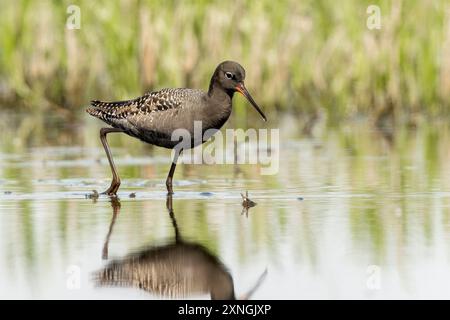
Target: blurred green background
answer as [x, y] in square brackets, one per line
[315, 58]
[370, 196]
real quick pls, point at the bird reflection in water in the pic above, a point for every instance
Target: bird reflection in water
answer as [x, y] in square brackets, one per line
[175, 270]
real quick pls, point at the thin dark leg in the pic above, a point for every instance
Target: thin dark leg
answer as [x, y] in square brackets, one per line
[171, 172]
[115, 183]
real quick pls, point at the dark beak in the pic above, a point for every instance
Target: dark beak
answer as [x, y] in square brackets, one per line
[241, 89]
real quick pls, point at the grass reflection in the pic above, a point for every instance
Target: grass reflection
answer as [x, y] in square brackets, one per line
[366, 201]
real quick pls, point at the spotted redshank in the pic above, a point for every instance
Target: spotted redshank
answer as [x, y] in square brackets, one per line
[155, 116]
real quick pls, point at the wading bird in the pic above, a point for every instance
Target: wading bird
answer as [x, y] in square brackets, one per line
[155, 116]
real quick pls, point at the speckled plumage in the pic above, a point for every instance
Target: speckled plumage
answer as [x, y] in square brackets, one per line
[157, 117]
[154, 116]
[145, 105]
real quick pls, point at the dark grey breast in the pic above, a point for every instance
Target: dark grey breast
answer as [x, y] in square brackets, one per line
[154, 116]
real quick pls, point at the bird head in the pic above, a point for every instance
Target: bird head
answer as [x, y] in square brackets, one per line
[230, 76]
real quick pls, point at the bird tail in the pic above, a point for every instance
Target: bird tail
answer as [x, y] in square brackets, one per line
[95, 109]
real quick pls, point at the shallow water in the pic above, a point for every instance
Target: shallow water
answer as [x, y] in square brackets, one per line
[350, 214]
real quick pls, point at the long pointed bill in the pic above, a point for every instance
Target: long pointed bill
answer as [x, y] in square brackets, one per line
[241, 89]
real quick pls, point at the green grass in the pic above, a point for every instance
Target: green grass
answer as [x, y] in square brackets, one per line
[311, 57]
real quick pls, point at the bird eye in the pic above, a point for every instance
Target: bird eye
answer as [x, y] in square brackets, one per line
[229, 75]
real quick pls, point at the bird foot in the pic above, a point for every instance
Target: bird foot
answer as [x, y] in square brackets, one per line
[111, 192]
[169, 188]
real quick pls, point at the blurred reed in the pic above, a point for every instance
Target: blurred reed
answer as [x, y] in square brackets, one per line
[314, 58]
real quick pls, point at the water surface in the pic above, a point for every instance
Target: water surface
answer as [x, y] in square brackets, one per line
[352, 213]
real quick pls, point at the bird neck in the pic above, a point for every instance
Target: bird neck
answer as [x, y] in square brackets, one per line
[216, 92]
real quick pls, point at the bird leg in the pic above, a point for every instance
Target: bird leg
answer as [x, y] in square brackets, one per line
[171, 172]
[115, 183]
